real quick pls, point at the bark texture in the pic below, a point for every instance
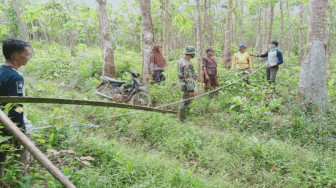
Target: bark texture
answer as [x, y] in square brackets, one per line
[258, 45]
[22, 23]
[166, 33]
[283, 38]
[227, 51]
[312, 88]
[265, 33]
[200, 72]
[70, 30]
[108, 66]
[301, 34]
[147, 28]
[240, 21]
[271, 20]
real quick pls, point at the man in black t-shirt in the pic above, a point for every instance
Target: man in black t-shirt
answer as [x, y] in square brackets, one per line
[17, 53]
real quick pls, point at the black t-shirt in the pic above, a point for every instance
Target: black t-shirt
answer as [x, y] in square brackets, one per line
[12, 84]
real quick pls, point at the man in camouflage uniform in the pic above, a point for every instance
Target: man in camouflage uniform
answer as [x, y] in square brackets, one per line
[187, 82]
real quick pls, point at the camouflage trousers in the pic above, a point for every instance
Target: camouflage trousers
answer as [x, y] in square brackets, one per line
[185, 105]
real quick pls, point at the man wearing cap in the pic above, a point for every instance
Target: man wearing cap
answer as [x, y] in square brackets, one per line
[187, 80]
[275, 59]
[210, 70]
[242, 62]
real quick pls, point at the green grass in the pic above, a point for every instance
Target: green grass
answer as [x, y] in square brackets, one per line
[236, 139]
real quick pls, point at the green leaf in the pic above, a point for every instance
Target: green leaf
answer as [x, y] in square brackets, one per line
[5, 138]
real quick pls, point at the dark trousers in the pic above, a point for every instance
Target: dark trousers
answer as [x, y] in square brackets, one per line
[271, 73]
[212, 82]
[158, 76]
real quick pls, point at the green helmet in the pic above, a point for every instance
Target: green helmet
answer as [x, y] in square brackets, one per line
[190, 50]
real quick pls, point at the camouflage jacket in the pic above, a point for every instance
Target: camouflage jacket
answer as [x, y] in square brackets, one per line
[186, 74]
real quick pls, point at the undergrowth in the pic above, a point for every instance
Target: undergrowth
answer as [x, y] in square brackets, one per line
[246, 136]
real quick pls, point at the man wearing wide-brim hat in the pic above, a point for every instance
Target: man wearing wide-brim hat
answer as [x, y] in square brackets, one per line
[187, 80]
[242, 62]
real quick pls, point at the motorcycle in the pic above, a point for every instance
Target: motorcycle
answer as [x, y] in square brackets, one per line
[134, 93]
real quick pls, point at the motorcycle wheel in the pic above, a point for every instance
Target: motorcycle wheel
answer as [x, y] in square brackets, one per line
[141, 99]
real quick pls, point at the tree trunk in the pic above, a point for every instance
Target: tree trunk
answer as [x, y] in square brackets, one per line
[166, 43]
[312, 88]
[270, 28]
[108, 66]
[100, 33]
[206, 27]
[22, 23]
[282, 41]
[227, 51]
[71, 40]
[234, 30]
[46, 38]
[33, 32]
[258, 45]
[265, 42]
[240, 22]
[147, 27]
[200, 72]
[301, 34]
[330, 37]
[212, 28]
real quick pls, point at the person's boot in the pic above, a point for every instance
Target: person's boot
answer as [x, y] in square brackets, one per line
[183, 115]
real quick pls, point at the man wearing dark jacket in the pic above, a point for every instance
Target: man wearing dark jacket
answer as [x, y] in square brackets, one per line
[275, 59]
[17, 54]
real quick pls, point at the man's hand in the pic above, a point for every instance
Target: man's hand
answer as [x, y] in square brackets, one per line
[207, 77]
[250, 71]
[152, 73]
[192, 94]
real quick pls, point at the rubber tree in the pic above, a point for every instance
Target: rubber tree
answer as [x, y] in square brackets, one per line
[301, 34]
[228, 35]
[148, 33]
[108, 65]
[17, 5]
[312, 88]
[265, 31]
[200, 72]
[166, 29]
[70, 27]
[271, 21]
[258, 45]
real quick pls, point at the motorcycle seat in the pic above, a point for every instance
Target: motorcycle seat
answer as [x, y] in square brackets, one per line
[113, 80]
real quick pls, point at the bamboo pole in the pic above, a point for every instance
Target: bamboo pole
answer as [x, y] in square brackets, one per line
[25, 141]
[78, 102]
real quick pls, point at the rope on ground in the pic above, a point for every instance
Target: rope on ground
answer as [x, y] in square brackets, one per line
[201, 95]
